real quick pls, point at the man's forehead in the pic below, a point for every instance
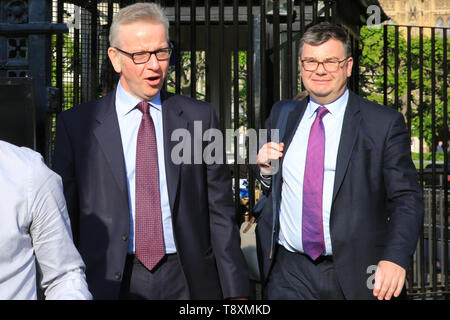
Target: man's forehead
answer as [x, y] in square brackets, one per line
[141, 29]
[139, 24]
[324, 58]
[329, 49]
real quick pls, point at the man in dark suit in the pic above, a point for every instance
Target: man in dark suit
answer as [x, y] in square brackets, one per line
[346, 197]
[146, 226]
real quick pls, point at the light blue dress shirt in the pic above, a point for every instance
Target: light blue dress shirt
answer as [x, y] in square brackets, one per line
[294, 168]
[129, 121]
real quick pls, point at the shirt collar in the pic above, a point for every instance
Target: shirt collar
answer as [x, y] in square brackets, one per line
[125, 102]
[335, 108]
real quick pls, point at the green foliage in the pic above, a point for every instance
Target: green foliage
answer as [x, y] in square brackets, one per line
[242, 88]
[200, 67]
[185, 75]
[68, 67]
[371, 77]
[428, 156]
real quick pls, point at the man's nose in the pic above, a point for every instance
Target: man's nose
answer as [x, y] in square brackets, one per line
[321, 69]
[153, 62]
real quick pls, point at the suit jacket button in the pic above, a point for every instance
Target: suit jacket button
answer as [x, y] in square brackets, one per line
[124, 237]
[117, 276]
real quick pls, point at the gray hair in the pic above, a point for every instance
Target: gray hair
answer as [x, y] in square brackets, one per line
[150, 12]
[322, 32]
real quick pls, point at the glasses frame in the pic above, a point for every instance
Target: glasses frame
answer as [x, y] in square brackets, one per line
[323, 65]
[131, 55]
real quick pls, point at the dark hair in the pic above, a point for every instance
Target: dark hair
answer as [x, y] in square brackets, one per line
[322, 32]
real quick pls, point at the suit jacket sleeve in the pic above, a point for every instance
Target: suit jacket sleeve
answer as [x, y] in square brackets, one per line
[63, 164]
[404, 195]
[266, 181]
[225, 236]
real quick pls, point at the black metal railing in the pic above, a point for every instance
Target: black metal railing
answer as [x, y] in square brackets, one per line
[241, 56]
[226, 52]
[407, 70]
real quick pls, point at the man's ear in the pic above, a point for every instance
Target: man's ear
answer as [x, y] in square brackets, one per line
[115, 59]
[300, 64]
[349, 66]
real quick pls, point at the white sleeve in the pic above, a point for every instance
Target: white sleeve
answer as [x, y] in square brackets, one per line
[60, 266]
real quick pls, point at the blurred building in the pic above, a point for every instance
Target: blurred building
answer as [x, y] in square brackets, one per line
[426, 13]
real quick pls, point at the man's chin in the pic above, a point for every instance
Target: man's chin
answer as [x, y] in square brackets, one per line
[320, 95]
[150, 94]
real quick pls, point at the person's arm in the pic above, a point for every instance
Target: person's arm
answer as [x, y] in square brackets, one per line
[60, 267]
[267, 152]
[406, 215]
[225, 236]
[63, 165]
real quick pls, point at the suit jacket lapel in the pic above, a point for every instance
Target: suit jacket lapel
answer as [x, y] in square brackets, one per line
[291, 127]
[349, 134]
[292, 122]
[108, 136]
[172, 120]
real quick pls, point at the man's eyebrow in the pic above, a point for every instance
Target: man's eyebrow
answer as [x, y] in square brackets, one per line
[328, 58]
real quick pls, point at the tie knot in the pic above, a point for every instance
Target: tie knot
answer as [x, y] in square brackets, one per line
[321, 111]
[143, 106]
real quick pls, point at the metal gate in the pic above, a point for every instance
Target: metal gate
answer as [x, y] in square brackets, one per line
[224, 54]
[241, 56]
[408, 71]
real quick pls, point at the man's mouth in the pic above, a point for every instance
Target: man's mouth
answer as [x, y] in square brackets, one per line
[154, 80]
[321, 80]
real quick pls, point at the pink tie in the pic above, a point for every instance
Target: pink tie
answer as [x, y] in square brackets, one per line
[312, 224]
[149, 231]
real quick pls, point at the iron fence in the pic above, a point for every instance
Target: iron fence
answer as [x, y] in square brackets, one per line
[241, 56]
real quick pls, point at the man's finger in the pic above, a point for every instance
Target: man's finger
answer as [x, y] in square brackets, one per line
[275, 146]
[270, 155]
[381, 284]
[269, 152]
[387, 284]
[391, 290]
[383, 290]
[400, 285]
[378, 282]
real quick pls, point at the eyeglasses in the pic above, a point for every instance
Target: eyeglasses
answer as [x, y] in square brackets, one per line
[144, 56]
[328, 65]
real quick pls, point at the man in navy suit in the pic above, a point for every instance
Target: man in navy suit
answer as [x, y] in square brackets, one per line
[346, 197]
[146, 226]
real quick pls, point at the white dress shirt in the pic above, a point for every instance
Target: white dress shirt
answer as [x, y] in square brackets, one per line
[35, 235]
[290, 235]
[129, 121]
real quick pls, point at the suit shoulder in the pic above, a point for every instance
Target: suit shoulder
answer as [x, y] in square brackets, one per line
[193, 108]
[85, 108]
[377, 118]
[191, 102]
[278, 107]
[377, 110]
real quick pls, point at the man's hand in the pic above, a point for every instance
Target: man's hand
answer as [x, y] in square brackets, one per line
[389, 280]
[270, 151]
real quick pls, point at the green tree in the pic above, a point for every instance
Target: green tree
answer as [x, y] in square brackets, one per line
[372, 70]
